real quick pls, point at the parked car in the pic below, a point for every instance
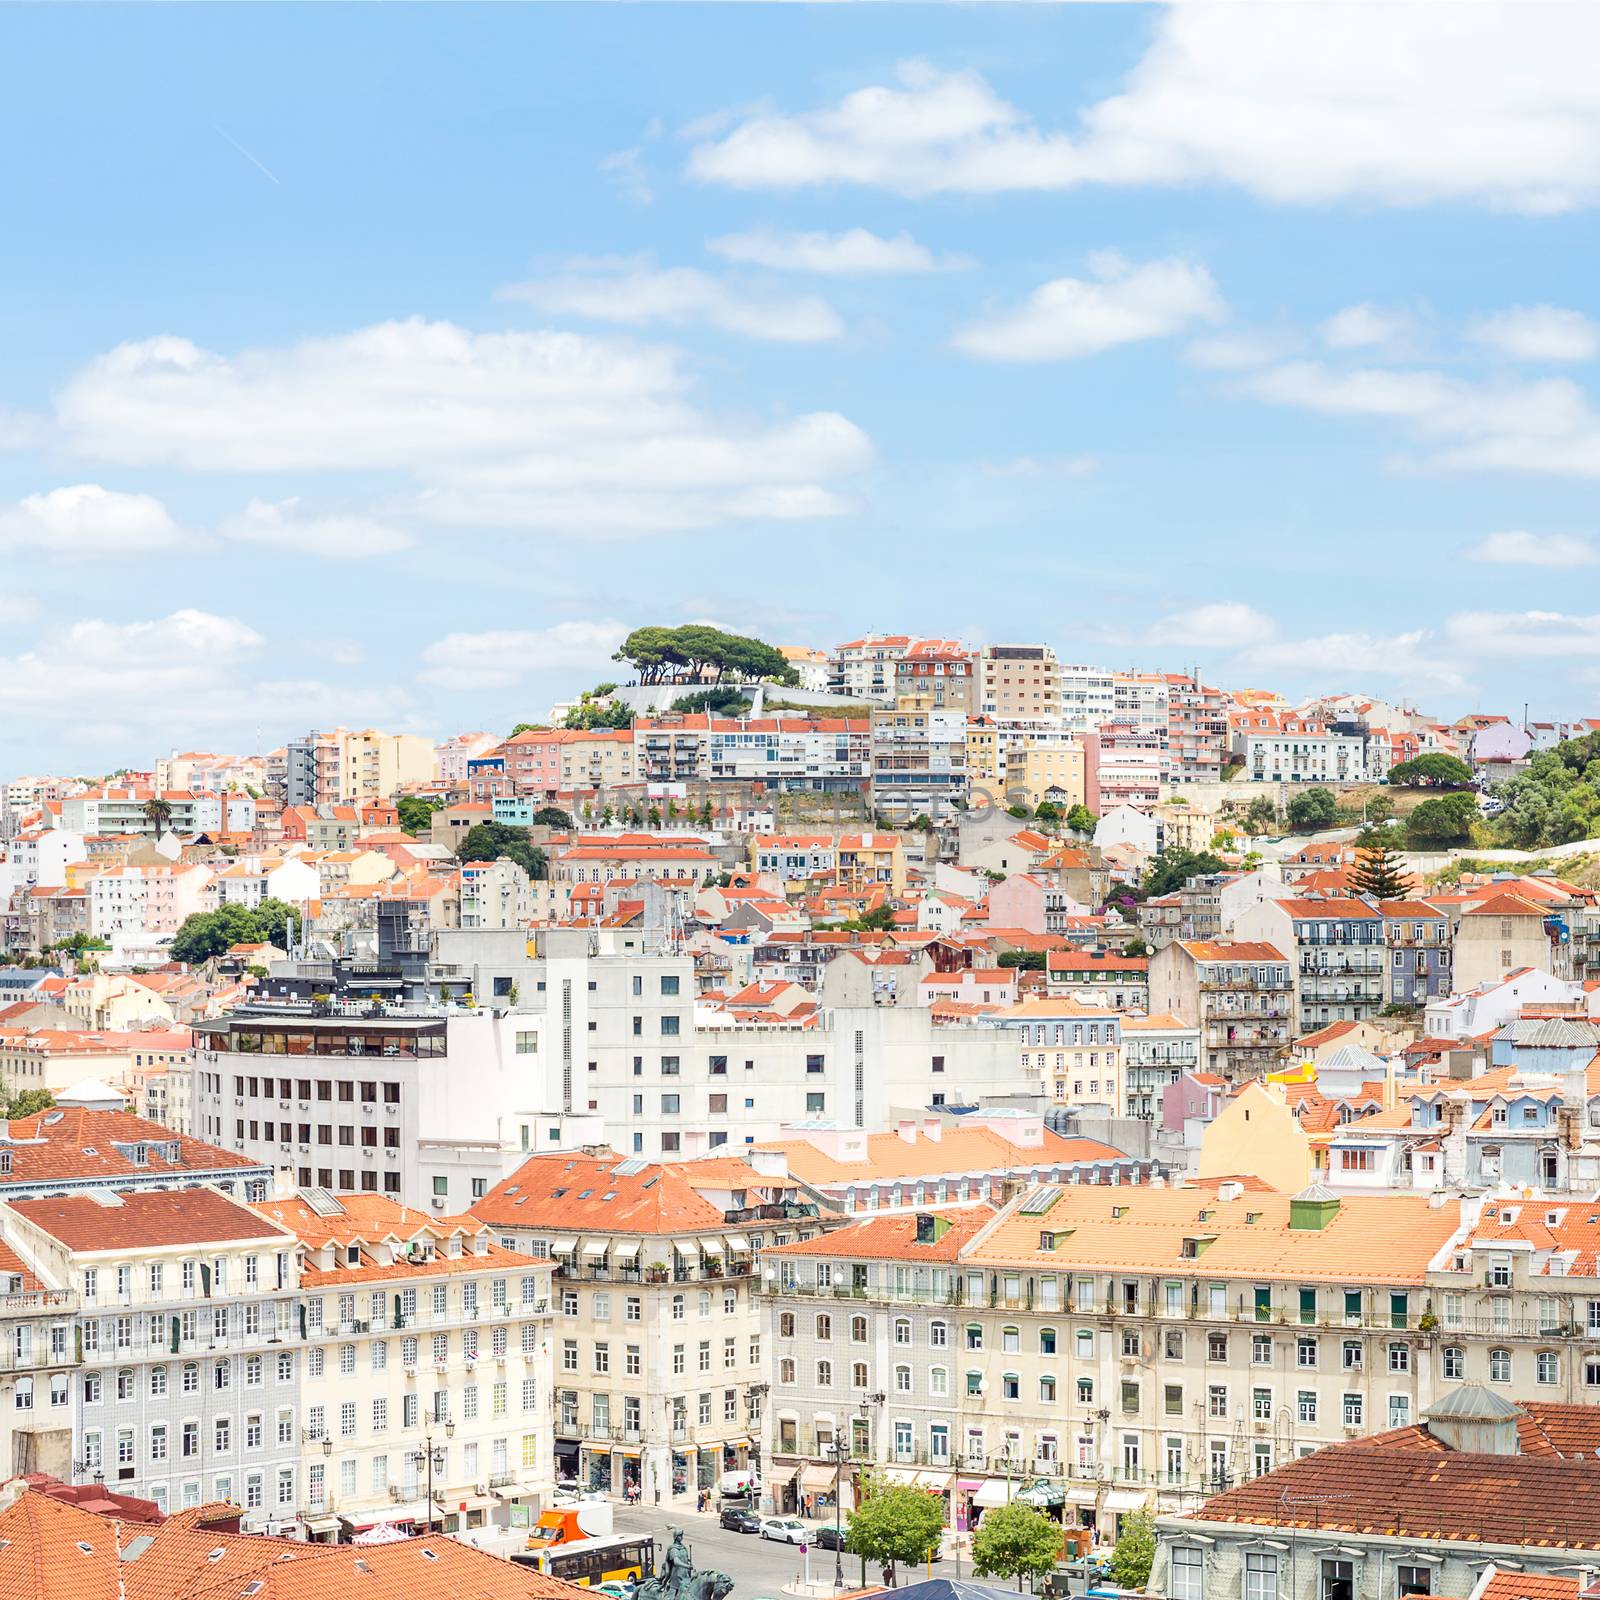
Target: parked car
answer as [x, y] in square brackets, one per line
[739, 1520]
[616, 1588]
[831, 1538]
[786, 1530]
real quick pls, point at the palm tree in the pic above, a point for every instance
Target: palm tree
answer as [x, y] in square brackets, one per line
[158, 812]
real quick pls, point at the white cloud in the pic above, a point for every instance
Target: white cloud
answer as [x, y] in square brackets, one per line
[1072, 317]
[629, 171]
[637, 293]
[1359, 326]
[1535, 550]
[338, 537]
[1237, 351]
[1403, 104]
[1408, 658]
[500, 658]
[86, 520]
[1545, 426]
[17, 607]
[853, 253]
[532, 430]
[1538, 333]
[1223, 624]
[1519, 635]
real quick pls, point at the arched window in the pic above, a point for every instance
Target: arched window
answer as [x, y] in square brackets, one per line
[1499, 1366]
[1452, 1362]
[902, 1330]
[902, 1379]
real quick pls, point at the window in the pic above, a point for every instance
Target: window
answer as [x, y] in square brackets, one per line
[1413, 1580]
[1260, 1576]
[1499, 1366]
[1452, 1362]
[1547, 1367]
[1187, 1579]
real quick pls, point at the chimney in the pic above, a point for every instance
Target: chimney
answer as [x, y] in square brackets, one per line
[1231, 1190]
[907, 1129]
[932, 1128]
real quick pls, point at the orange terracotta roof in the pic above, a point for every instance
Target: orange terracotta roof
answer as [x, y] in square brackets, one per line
[893, 1237]
[956, 1150]
[146, 1217]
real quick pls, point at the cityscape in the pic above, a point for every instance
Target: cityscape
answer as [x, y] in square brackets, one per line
[797, 801]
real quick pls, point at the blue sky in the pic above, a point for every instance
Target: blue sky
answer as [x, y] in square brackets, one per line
[384, 364]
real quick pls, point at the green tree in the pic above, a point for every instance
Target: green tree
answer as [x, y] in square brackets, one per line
[1135, 1553]
[158, 812]
[1027, 960]
[653, 817]
[24, 1102]
[1080, 819]
[1261, 815]
[207, 934]
[1173, 868]
[416, 814]
[590, 714]
[690, 653]
[1019, 811]
[1015, 1541]
[1048, 812]
[1136, 947]
[1313, 808]
[1380, 808]
[494, 841]
[553, 817]
[896, 1526]
[1446, 819]
[715, 702]
[277, 923]
[1378, 870]
[528, 727]
[1435, 770]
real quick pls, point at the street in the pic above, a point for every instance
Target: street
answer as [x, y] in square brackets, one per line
[758, 1567]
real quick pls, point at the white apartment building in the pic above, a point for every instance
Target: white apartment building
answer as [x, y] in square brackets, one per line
[189, 1386]
[417, 1334]
[128, 903]
[434, 1104]
[1088, 697]
[1142, 699]
[866, 667]
[38, 1366]
[1156, 1051]
[1283, 748]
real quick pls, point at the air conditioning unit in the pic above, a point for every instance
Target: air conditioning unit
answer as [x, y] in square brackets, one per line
[438, 1202]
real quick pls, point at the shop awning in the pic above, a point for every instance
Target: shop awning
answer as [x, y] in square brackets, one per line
[687, 1247]
[563, 1246]
[1124, 1500]
[814, 1479]
[625, 1249]
[631, 1451]
[1082, 1495]
[934, 1482]
[737, 1243]
[906, 1476]
[472, 1502]
[969, 1485]
[321, 1524]
[995, 1492]
[408, 1511]
[596, 1247]
[509, 1491]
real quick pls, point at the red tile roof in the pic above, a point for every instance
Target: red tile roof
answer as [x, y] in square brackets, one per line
[147, 1217]
[72, 1142]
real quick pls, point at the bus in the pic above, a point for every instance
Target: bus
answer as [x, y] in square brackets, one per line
[591, 1561]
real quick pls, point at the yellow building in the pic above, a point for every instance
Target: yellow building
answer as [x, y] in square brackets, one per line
[1042, 767]
[1257, 1134]
[986, 762]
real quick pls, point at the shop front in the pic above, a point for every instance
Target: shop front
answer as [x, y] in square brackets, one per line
[816, 1490]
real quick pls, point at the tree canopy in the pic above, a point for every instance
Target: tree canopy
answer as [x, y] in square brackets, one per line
[1174, 867]
[692, 652]
[416, 814]
[1378, 869]
[726, 702]
[1080, 819]
[1445, 819]
[495, 841]
[1434, 770]
[1015, 1541]
[895, 1526]
[1261, 814]
[1313, 808]
[553, 817]
[591, 713]
[1135, 1553]
[207, 934]
[1555, 801]
[24, 1102]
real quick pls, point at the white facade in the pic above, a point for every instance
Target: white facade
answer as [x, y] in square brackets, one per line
[1088, 697]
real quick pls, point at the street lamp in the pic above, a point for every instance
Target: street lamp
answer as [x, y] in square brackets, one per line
[838, 1510]
[427, 1454]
